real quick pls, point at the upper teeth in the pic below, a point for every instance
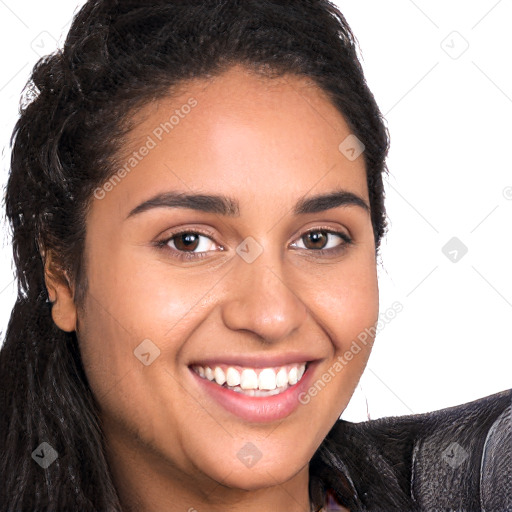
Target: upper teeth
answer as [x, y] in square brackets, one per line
[252, 378]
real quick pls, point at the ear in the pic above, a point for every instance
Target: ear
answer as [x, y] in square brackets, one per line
[60, 293]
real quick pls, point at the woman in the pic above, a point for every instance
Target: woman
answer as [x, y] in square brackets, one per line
[197, 205]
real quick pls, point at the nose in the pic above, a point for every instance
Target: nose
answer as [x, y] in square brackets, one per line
[261, 301]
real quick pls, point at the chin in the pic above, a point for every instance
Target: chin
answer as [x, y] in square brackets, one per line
[268, 475]
[251, 469]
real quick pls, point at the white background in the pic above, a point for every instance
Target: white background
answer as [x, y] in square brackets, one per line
[449, 116]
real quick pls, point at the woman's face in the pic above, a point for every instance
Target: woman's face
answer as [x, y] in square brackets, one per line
[229, 279]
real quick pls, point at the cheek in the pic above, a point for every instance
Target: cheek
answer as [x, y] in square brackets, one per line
[348, 303]
[347, 309]
[132, 299]
[122, 315]
[127, 304]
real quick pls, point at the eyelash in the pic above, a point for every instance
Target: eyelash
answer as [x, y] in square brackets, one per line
[185, 255]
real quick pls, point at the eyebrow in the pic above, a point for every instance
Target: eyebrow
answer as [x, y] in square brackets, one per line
[224, 205]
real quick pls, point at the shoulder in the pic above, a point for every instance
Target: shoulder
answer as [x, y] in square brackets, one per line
[457, 458]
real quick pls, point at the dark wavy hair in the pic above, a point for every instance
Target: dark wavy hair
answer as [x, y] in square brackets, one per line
[118, 56]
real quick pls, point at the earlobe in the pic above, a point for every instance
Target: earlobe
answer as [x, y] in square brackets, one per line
[60, 293]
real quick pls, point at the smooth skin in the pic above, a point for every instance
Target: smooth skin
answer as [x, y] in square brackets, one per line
[266, 144]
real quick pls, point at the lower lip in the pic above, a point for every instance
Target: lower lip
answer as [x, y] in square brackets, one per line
[257, 409]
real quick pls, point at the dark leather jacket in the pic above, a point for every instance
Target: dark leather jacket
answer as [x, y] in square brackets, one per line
[454, 459]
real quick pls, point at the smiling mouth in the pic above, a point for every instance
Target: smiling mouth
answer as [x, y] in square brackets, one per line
[253, 381]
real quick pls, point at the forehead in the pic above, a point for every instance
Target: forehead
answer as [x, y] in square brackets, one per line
[240, 134]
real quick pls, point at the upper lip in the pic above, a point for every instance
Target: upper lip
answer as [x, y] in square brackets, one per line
[256, 361]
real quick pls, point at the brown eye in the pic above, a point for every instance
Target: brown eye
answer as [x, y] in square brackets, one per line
[186, 241]
[323, 241]
[315, 239]
[188, 245]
